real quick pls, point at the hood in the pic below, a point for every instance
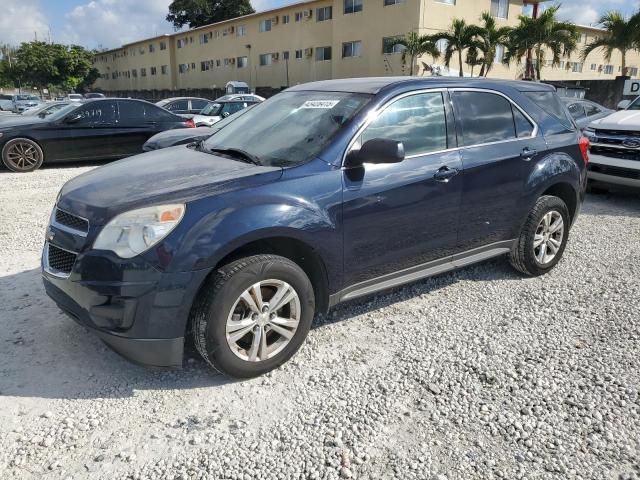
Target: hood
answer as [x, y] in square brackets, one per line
[622, 120]
[177, 136]
[209, 120]
[11, 121]
[177, 174]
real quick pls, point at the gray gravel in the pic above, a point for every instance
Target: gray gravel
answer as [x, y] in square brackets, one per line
[477, 374]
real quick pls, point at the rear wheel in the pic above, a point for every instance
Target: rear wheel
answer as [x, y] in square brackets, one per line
[253, 315]
[543, 237]
[22, 155]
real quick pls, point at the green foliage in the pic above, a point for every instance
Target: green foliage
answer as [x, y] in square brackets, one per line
[196, 13]
[415, 46]
[623, 34]
[459, 38]
[47, 65]
[539, 36]
[490, 37]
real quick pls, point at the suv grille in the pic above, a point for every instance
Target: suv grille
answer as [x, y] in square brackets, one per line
[615, 171]
[614, 152]
[71, 221]
[59, 260]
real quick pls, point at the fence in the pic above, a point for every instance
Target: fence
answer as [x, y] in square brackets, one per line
[156, 95]
[605, 92]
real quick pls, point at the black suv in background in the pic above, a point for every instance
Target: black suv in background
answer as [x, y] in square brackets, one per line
[327, 192]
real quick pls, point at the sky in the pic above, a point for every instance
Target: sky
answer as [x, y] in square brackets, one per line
[110, 23]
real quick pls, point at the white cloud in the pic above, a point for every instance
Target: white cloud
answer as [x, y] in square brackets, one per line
[110, 23]
[22, 20]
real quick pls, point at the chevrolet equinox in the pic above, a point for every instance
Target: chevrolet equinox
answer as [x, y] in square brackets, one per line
[327, 192]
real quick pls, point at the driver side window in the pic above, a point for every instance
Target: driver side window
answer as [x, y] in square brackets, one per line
[418, 121]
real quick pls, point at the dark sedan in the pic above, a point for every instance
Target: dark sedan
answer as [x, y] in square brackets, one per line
[98, 129]
[184, 104]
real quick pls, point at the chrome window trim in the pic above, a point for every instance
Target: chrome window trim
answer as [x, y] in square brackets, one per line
[375, 114]
[73, 231]
[47, 268]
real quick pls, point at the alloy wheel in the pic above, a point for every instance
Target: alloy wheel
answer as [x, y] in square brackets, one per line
[23, 155]
[263, 320]
[548, 237]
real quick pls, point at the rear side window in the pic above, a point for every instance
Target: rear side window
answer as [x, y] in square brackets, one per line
[198, 104]
[549, 102]
[131, 112]
[488, 117]
[418, 121]
[178, 105]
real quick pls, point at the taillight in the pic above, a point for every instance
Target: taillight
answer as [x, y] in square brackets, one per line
[190, 123]
[584, 149]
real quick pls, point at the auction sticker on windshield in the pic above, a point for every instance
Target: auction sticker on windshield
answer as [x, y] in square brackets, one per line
[326, 104]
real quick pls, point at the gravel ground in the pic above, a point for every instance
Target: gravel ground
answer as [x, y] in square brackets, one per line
[477, 374]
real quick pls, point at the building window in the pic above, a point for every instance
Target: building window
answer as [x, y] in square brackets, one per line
[608, 69]
[218, 63]
[142, 50]
[205, 66]
[183, 68]
[448, 2]
[633, 71]
[151, 48]
[154, 70]
[204, 38]
[298, 16]
[265, 25]
[163, 45]
[594, 66]
[143, 72]
[324, 13]
[442, 45]
[242, 62]
[390, 45]
[499, 57]
[500, 8]
[577, 67]
[164, 69]
[193, 65]
[134, 72]
[323, 54]
[583, 38]
[182, 42]
[265, 59]
[388, 3]
[241, 31]
[351, 49]
[352, 6]
[298, 54]
[286, 19]
[285, 55]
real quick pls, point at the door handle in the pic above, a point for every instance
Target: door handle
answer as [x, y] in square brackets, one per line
[528, 153]
[444, 174]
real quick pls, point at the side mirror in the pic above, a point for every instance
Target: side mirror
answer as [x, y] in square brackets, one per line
[624, 104]
[376, 151]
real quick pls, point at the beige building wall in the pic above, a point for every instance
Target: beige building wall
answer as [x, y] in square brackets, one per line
[210, 56]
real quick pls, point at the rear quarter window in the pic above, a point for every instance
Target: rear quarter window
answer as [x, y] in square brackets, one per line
[551, 104]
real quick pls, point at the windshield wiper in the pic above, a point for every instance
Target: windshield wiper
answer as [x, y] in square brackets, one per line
[237, 153]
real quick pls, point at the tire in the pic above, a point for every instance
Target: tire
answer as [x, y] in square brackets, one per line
[22, 155]
[225, 326]
[534, 260]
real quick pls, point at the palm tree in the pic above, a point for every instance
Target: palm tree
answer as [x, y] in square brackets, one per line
[415, 46]
[490, 38]
[534, 36]
[473, 59]
[458, 38]
[622, 35]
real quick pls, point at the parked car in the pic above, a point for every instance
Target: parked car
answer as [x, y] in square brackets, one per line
[248, 97]
[180, 105]
[45, 109]
[327, 192]
[23, 102]
[74, 97]
[585, 111]
[216, 111]
[615, 149]
[183, 136]
[91, 95]
[97, 129]
[6, 102]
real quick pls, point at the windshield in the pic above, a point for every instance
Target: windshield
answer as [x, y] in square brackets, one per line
[290, 128]
[212, 109]
[63, 111]
[26, 97]
[635, 105]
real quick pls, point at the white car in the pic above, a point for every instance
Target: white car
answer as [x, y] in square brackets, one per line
[615, 149]
[216, 111]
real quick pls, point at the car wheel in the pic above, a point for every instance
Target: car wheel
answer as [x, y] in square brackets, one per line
[252, 315]
[22, 155]
[543, 237]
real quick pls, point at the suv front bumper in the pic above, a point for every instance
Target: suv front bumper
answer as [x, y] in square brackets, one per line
[614, 171]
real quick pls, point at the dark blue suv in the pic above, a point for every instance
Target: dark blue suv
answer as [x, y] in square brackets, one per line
[327, 192]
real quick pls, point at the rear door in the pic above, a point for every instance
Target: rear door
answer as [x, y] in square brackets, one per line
[498, 142]
[178, 106]
[134, 127]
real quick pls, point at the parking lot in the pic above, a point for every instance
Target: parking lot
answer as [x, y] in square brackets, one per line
[479, 373]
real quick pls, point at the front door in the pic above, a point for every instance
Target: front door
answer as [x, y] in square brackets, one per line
[401, 215]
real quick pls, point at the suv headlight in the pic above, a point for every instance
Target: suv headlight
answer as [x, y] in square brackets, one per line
[134, 232]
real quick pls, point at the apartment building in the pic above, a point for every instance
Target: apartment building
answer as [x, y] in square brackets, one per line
[317, 40]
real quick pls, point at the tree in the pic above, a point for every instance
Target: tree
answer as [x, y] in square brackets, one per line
[489, 39]
[415, 46]
[622, 35]
[458, 38]
[537, 35]
[196, 13]
[473, 59]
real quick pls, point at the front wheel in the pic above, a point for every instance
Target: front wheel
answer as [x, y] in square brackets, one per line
[543, 237]
[253, 315]
[22, 155]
